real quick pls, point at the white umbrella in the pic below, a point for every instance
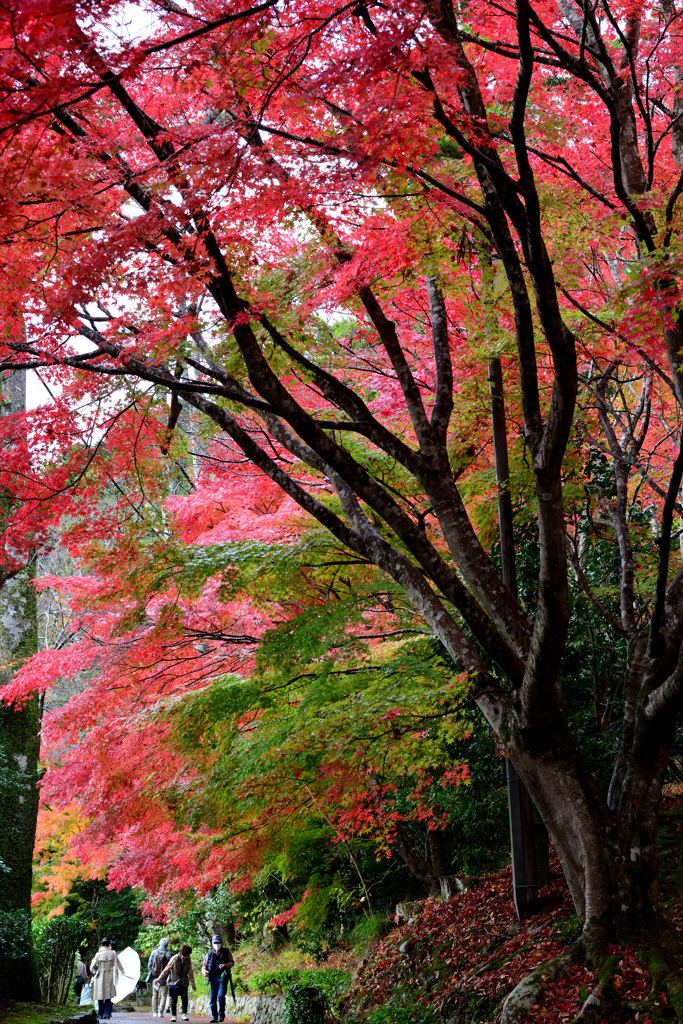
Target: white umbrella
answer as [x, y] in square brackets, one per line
[128, 977]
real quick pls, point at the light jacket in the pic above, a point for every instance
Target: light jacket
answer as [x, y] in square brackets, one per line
[103, 966]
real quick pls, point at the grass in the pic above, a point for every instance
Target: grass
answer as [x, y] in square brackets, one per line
[39, 1013]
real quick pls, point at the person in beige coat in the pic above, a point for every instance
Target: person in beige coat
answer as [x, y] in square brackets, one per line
[103, 969]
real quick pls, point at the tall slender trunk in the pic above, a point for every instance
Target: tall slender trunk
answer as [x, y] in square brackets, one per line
[522, 838]
[19, 753]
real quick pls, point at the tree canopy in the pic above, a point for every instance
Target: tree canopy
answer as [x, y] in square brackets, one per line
[268, 262]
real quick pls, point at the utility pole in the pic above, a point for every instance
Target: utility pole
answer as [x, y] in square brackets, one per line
[522, 830]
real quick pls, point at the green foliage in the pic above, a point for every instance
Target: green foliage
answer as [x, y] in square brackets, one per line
[402, 1011]
[329, 981]
[366, 931]
[569, 930]
[332, 709]
[449, 148]
[318, 943]
[113, 913]
[477, 838]
[15, 934]
[56, 942]
[119, 917]
[304, 1005]
[202, 916]
[178, 932]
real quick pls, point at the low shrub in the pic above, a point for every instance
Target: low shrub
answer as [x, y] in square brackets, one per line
[396, 1012]
[328, 981]
[306, 1004]
[276, 982]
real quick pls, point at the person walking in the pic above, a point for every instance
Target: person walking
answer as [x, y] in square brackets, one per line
[216, 970]
[103, 967]
[158, 959]
[179, 972]
[81, 976]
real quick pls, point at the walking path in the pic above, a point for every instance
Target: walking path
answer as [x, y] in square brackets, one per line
[145, 1017]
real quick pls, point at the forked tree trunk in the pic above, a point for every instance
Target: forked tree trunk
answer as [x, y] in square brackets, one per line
[609, 860]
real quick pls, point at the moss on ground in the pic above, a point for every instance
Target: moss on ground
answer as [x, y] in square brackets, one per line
[39, 1013]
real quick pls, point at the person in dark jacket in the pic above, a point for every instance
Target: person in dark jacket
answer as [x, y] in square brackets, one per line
[216, 970]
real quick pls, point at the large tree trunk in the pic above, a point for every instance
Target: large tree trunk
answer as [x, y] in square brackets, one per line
[19, 753]
[609, 861]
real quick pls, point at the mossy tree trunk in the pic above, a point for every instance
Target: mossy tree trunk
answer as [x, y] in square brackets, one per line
[19, 753]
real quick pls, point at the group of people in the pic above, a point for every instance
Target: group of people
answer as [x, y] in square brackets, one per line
[171, 977]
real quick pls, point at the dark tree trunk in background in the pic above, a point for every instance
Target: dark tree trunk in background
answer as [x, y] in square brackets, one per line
[520, 808]
[19, 753]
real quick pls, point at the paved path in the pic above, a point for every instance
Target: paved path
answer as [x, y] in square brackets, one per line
[145, 1017]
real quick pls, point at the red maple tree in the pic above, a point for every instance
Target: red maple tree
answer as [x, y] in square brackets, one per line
[314, 224]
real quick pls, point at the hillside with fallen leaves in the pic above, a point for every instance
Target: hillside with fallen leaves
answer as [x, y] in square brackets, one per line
[458, 960]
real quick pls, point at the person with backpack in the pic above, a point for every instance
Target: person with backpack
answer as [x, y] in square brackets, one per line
[216, 970]
[179, 972]
[158, 959]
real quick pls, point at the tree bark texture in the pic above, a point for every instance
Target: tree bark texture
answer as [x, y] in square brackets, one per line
[19, 754]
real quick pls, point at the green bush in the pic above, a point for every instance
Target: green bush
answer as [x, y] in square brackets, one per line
[402, 1013]
[275, 982]
[56, 941]
[328, 981]
[15, 934]
[306, 1004]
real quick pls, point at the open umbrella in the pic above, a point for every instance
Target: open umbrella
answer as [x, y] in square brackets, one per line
[128, 978]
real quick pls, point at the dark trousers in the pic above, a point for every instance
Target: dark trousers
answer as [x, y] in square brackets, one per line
[78, 987]
[183, 1000]
[104, 1007]
[218, 992]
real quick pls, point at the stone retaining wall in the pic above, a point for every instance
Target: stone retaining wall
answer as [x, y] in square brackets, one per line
[261, 1009]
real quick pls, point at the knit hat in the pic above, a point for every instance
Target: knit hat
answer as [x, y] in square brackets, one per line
[163, 944]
